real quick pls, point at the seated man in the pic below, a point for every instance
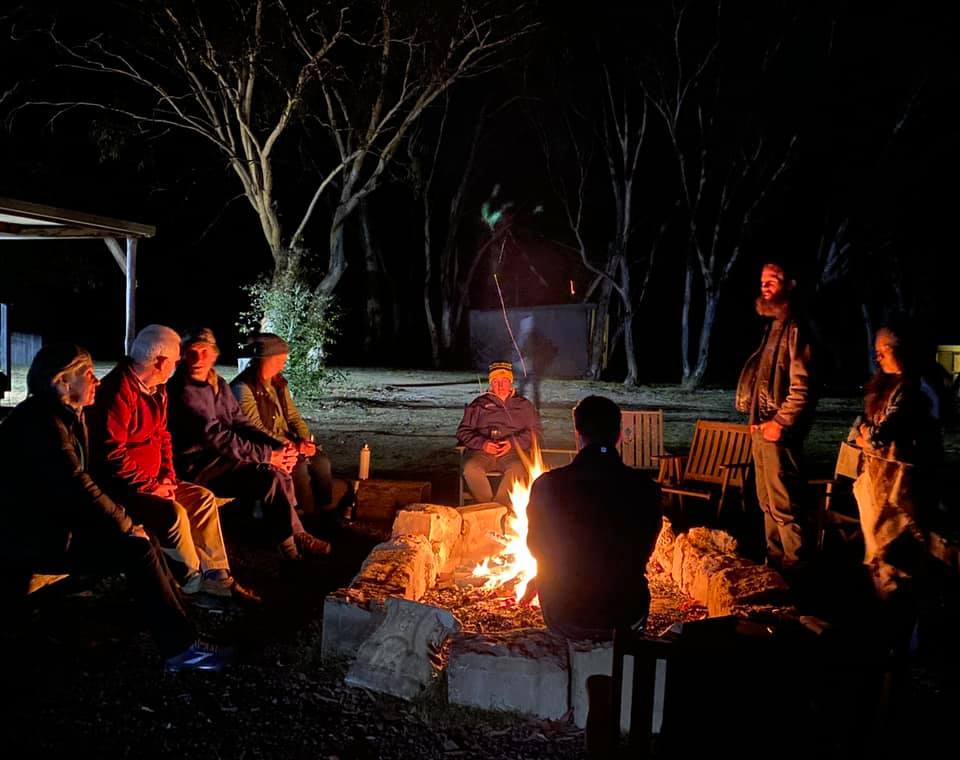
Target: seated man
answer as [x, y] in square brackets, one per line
[493, 427]
[60, 520]
[265, 399]
[592, 528]
[132, 459]
[216, 446]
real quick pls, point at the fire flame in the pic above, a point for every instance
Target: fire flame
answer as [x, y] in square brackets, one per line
[515, 560]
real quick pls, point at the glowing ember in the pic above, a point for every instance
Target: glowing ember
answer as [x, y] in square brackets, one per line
[515, 563]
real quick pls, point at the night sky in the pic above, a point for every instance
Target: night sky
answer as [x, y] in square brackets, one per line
[843, 75]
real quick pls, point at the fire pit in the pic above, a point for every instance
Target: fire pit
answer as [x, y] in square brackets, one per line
[443, 595]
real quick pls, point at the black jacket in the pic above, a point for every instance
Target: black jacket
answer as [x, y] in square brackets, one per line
[48, 493]
[592, 528]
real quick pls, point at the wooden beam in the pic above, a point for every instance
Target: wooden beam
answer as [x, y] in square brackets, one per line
[50, 231]
[118, 254]
[131, 272]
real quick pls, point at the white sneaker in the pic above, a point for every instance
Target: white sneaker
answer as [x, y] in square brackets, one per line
[193, 583]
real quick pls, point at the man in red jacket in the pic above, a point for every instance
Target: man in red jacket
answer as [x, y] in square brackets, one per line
[132, 458]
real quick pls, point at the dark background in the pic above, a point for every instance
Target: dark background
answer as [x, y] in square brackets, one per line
[844, 76]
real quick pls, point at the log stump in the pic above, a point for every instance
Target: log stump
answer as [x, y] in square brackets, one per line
[380, 500]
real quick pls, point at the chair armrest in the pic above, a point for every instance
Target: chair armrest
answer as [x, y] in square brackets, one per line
[667, 456]
[822, 482]
[685, 492]
[736, 466]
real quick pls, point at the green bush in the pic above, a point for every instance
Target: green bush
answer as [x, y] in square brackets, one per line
[290, 308]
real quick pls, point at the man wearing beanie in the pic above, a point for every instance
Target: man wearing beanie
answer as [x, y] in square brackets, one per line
[494, 426]
[217, 446]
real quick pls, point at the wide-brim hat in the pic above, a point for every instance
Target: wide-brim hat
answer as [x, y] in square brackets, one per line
[265, 344]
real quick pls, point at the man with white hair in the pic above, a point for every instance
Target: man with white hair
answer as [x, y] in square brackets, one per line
[132, 458]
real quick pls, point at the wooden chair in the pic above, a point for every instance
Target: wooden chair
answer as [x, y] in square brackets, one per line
[641, 440]
[719, 460]
[835, 491]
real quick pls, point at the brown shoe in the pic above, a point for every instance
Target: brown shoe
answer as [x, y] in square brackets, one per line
[311, 546]
[228, 587]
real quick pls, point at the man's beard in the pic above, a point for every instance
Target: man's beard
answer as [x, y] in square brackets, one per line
[775, 308]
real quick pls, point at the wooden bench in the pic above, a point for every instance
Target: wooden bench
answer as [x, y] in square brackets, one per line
[719, 460]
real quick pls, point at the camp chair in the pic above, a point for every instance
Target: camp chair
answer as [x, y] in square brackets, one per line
[718, 462]
[837, 491]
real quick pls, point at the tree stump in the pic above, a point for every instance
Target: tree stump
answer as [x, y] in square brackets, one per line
[381, 499]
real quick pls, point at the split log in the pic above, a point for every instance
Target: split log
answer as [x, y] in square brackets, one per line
[382, 499]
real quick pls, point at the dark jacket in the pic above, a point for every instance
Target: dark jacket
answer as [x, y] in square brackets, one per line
[776, 382]
[592, 528]
[209, 431]
[130, 445]
[49, 495]
[273, 412]
[487, 418]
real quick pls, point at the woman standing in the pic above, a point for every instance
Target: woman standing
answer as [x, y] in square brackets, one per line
[896, 490]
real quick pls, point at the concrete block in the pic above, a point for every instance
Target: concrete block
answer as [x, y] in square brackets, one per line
[349, 617]
[521, 671]
[440, 525]
[404, 566]
[480, 521]
[399, 656]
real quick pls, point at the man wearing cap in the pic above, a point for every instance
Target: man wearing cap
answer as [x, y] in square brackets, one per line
[217, 446]
[132, 459]
[265, 399]
[494, 426]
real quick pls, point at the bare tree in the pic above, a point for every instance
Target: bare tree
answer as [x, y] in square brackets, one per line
[239, 77]
[622, 116]
[721, 189]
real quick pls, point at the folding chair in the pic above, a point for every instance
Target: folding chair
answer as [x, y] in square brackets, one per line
[835, 490]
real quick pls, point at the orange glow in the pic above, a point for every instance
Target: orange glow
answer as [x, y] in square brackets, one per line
[515, 560]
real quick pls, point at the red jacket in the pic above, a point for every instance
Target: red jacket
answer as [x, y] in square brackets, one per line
[130, 445]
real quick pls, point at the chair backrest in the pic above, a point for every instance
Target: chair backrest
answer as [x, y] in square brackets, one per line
[848, 462]
[715, 444]
[641, 438]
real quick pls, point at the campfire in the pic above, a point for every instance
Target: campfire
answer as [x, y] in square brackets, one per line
[514, 564]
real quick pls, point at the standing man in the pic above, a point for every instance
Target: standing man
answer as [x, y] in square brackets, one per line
[775, 391]
[493, 427]
[218, 447]
[132, 458]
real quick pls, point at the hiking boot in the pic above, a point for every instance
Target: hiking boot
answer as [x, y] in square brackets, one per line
[222, 584]
[311, 546]
[193, 583]
[201, 655]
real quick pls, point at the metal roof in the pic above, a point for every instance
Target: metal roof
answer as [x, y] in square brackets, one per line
[20, 220]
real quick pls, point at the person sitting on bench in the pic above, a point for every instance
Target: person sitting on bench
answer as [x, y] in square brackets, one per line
[216, 446]
[493, 427]
[63, 522]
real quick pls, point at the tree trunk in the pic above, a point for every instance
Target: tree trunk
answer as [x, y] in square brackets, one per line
[374, 325]
[685, 321]
[628, 346]
[338, 260]
[711, 299]
[599, 325]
